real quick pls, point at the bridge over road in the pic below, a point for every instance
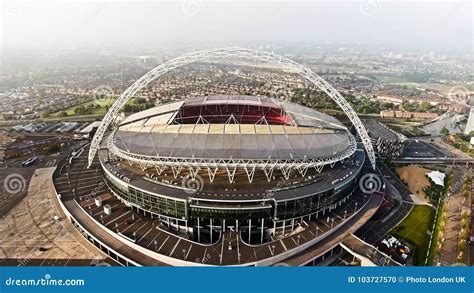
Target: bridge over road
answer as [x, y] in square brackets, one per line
[433, 160]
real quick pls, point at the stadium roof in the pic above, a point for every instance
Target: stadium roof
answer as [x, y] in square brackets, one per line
[237, 146]
[230, 132]
[285, 131]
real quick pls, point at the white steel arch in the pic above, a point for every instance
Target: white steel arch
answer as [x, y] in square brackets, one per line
[225, 53]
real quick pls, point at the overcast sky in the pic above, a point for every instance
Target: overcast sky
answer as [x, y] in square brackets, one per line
[430, 26]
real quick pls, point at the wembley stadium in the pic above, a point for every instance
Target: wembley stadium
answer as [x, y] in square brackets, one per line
[219, 180]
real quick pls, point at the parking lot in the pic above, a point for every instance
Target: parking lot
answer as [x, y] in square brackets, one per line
[424, 149]
[15, 179]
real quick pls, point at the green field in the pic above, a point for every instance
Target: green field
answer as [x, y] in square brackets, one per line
[414, 230]
[404, 81]
[103, 103]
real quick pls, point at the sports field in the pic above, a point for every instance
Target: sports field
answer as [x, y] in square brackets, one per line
[415, 230]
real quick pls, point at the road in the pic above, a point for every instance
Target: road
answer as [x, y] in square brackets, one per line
[437, 160]
[452, 149]
[15, 179]
[454, 207]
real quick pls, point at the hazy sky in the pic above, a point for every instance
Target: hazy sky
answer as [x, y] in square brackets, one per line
[436, 26]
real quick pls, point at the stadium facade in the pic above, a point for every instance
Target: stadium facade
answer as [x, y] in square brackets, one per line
[221, 180]
[239, 163]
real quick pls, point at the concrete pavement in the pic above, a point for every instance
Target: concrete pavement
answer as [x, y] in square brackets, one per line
[30, 226]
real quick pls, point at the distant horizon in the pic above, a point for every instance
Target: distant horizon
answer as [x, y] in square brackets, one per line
[439, 27]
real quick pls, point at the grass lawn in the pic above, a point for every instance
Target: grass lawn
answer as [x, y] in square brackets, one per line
[103, 103]
[435, 245]
[414, 230]
[463, 146]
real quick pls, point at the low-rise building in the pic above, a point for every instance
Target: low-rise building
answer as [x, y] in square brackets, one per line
[404, 114]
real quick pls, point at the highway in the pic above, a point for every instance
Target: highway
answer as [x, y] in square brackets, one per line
[434, 160]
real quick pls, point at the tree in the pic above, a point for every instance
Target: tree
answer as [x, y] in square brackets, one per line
[63, 114]
[444, 131]
[424, 106]
[79, 110]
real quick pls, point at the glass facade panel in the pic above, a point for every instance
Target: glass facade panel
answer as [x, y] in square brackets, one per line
[232, 210]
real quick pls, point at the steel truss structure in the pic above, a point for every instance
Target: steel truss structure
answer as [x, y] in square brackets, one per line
[194, 165]
[257, 58]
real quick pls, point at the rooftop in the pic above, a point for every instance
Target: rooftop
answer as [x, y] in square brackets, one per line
[236, 127]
